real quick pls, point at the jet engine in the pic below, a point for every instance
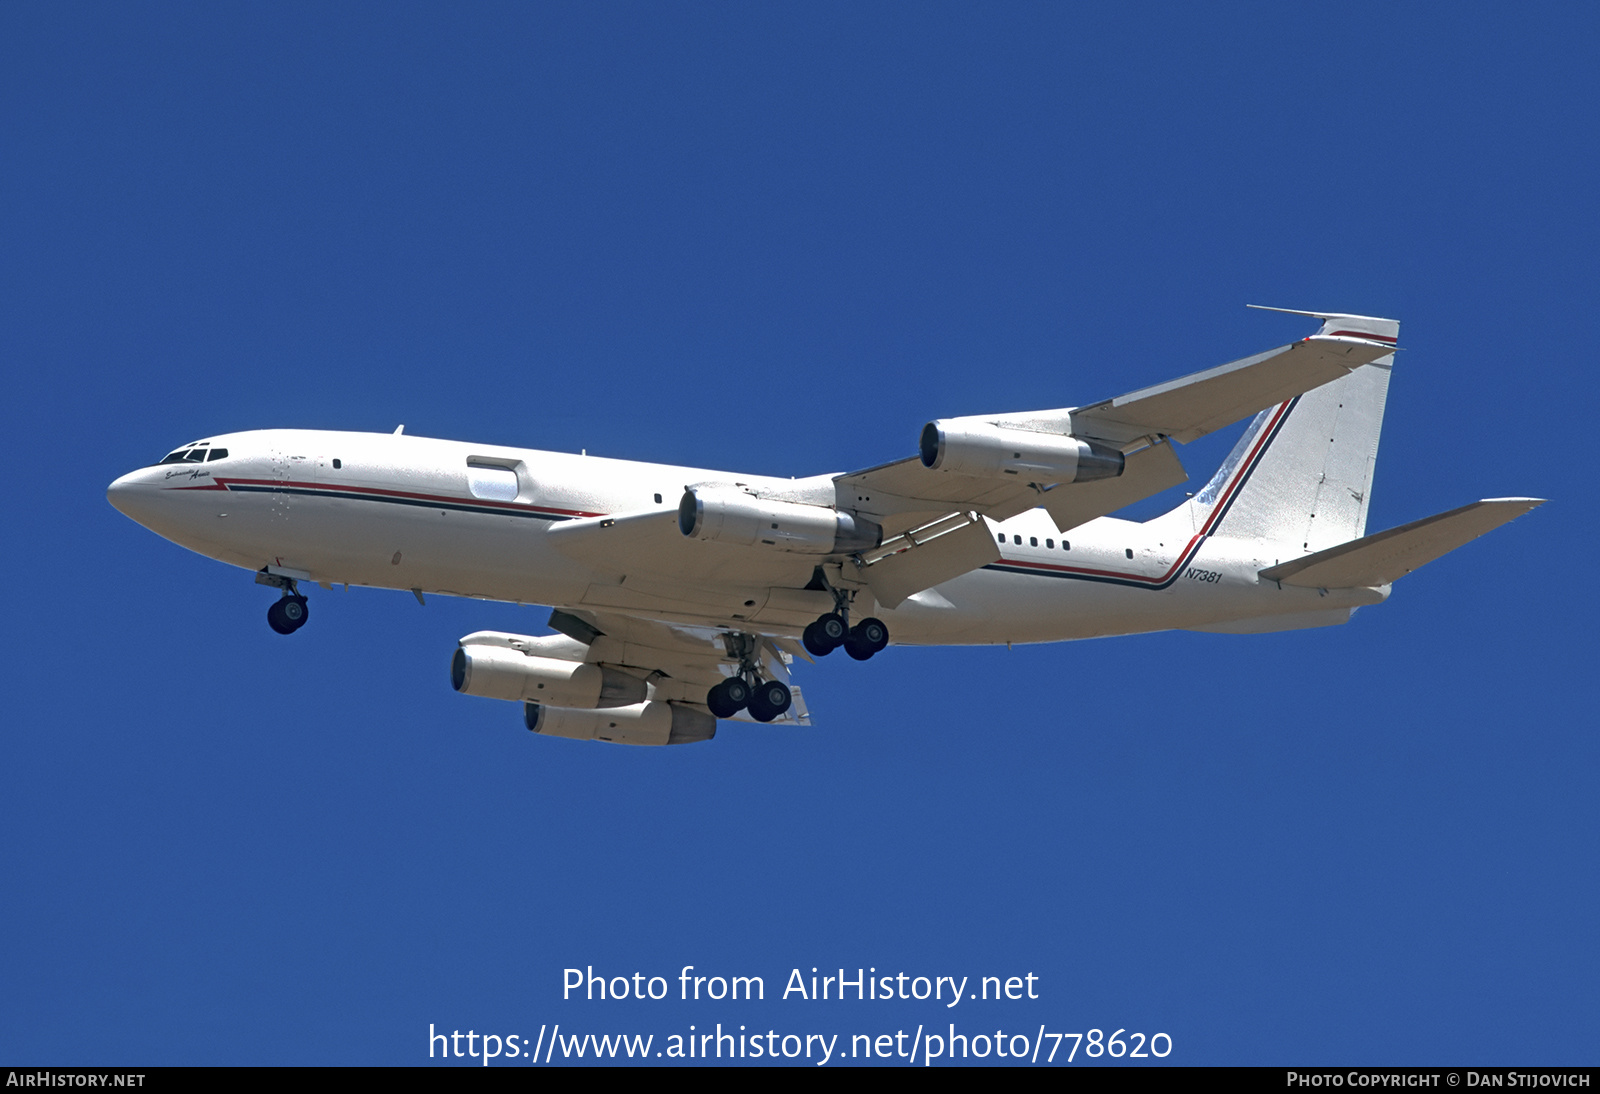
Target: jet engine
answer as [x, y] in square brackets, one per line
[496, 672]
[983, 450]
[726, 514]
[652, 723]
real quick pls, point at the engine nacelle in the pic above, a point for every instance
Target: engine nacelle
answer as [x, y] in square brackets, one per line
[988, 451]
[652, 723]
[496, 672]
[727, 514]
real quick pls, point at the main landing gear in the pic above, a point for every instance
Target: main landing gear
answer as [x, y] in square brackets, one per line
[745, 690]
[833, 630]
[765, 701]
[289, 614]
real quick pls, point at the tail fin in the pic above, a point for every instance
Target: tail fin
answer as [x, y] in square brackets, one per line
[1301, 476]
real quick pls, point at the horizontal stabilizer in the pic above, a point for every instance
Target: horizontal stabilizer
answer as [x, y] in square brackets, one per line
[1273, 624]
[1385, 557]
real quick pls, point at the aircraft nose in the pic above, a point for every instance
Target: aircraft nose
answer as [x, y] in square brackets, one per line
[131, 497]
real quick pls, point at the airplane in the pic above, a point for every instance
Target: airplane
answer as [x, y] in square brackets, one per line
[683, 596]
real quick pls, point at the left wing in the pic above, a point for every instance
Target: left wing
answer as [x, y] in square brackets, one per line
[618, 678]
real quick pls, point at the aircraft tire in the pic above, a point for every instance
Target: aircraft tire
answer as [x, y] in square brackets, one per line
[832, 628]
[859, 647]
[770, 699]
[872, 632]
[728, 698]
[278, 617]
[815, 641]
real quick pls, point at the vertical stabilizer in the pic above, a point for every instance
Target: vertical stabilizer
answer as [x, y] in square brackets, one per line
[1301, 476]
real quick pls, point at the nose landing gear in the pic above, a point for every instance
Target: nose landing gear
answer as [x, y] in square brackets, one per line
[288, 615]
[290, 612]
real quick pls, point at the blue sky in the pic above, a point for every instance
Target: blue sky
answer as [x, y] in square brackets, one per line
[779, 239]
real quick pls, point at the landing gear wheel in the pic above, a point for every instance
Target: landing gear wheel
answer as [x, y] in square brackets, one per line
[873, 632]
[866, 638]
[729, 697]
[288, 614]
[832, 627]
[825, 635]
[770, 699]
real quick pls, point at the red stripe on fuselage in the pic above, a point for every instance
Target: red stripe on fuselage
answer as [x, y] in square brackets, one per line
[378, 492]
[1196, 539]
[1364, 334]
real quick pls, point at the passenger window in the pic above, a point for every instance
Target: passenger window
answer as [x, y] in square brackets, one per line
[658, 499]
[217, 454]
[492, 483]
[338, 464]
[1033, 541]
[1002, 539]
[1065, 546]
[1017, 540]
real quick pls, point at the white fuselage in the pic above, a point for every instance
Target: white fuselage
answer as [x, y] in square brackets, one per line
[400, 512]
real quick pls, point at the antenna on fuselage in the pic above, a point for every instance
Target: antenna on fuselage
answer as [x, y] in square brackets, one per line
[399, 429]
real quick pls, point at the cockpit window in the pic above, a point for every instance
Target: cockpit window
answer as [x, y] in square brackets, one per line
[217, 454]
[190, 453]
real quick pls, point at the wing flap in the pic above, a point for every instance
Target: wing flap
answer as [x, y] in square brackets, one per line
[1385, 557]
[907, 490]
[927, 556]
[906, 495]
